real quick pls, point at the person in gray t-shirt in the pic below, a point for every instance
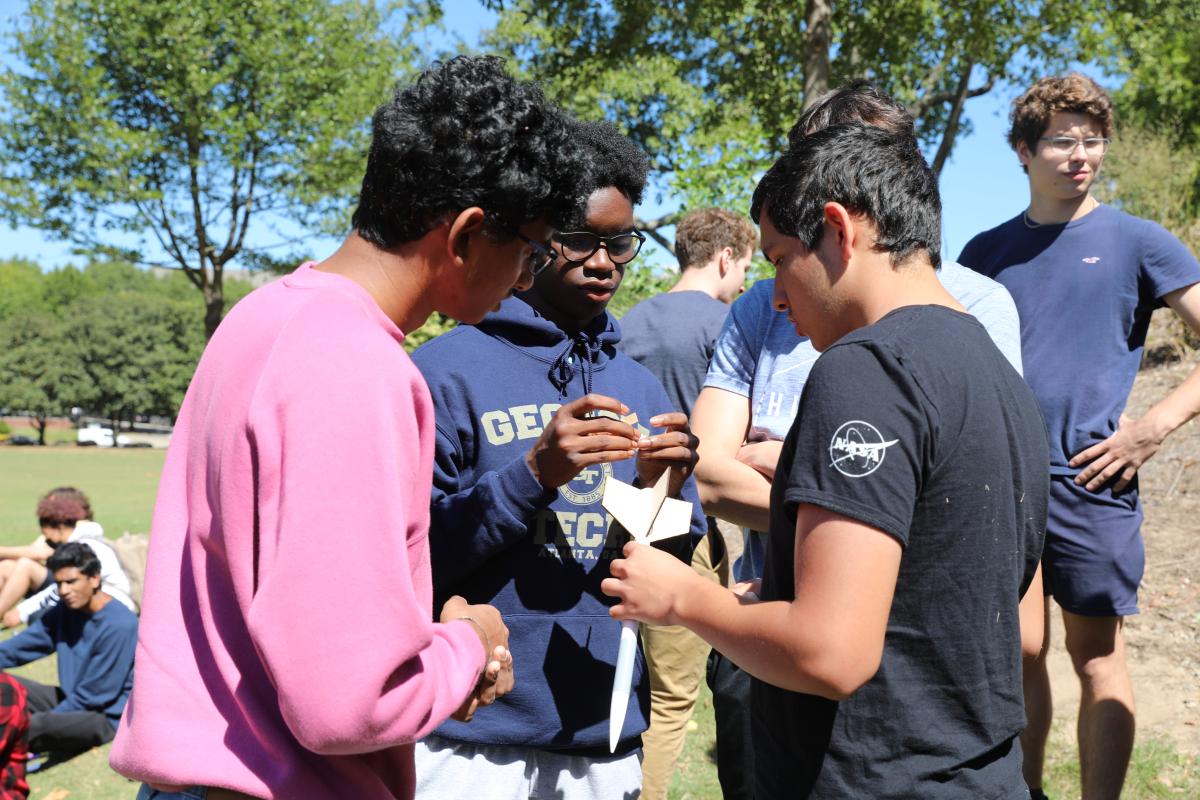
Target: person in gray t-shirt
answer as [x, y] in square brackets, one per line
[672, 335]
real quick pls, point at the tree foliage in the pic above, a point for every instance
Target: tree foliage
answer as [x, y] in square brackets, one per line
[41, 369]
[1157, 49]
[112, 339]
[138, 353]
[135, 127]
[710, 88]
[1151, 174]
[1157, 44]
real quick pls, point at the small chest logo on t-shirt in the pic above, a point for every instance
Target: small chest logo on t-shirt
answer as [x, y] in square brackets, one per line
[858, 448]
[1092, 260]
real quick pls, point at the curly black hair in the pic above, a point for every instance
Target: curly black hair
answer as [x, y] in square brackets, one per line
[465, 134]
[609, 159]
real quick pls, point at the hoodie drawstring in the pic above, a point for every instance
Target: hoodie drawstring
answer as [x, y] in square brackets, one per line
[562, 371]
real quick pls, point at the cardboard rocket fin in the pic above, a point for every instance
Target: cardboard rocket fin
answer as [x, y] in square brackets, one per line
[648, 514]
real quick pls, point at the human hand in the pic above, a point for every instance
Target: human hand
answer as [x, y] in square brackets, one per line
[649, 584]
[674, 449]
[496, 681]
[497, 678]
[573, 440]
[41, 551]
[762, 456]
[11, 618]
[1123, 454]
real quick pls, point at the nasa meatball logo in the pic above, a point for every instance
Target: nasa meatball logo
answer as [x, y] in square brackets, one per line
[858, 448]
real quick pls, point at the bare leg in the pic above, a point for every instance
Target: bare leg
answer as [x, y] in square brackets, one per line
[6, 570]
[1039, 709]
[26, 575]
[1106, 711]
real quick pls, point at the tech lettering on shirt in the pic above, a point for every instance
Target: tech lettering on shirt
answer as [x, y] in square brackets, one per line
[583, 533]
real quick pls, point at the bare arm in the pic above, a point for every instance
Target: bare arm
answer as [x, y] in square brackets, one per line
[729, 488]
[1136, 440]
[38, 551]
[828, 641]
[1032, 615]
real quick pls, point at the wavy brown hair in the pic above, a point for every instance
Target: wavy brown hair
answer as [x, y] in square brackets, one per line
[1072, 93]
[703, 233]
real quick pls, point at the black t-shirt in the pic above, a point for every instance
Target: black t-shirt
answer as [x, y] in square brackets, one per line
[918, 426]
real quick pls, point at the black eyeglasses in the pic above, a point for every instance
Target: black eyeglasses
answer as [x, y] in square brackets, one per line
[579, 246]
[542, 255]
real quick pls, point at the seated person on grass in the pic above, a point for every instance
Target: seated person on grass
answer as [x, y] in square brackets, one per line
[95, 640]
[64, 515]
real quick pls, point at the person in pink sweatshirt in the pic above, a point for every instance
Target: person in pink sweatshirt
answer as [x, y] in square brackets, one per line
[287, 644]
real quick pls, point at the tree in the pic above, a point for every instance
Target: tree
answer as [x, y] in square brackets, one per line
[137, 351]
[1151, 174]
[1157, 48]
[41, 372]
[710, 88]
[21, 288]
[175, 122]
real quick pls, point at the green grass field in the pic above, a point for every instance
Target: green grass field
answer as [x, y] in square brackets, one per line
[121, 485]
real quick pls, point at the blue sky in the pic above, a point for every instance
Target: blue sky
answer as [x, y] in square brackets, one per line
[982, 184]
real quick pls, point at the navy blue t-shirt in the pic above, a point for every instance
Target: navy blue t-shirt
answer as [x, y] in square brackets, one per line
[1085, 291]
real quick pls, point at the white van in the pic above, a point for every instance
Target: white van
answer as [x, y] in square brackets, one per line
[96, 435]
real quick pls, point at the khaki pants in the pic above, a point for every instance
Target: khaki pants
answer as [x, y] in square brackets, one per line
[676, 659]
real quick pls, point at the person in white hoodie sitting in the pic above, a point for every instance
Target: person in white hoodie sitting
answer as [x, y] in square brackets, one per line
[64, 515]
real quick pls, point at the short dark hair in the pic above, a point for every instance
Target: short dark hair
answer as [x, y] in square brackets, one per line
[703, 233]
[1072, 93]
[870, 171]
[65, 505]
[608, 159]
[857, 101]
[75, 554]
[464, 134]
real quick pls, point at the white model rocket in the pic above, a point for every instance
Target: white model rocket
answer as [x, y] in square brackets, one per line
[648, 515]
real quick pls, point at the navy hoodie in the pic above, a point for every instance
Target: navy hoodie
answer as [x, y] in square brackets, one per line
[497, 536]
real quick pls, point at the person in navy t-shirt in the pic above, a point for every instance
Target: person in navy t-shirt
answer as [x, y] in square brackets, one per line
[1086, 277]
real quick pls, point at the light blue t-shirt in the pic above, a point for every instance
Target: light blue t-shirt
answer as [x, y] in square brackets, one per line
[758, 355]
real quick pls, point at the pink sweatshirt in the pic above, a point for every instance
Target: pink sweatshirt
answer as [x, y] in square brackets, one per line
[286, 645]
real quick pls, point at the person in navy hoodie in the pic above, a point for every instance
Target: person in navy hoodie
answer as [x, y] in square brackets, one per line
[535, 409]
[94, 639]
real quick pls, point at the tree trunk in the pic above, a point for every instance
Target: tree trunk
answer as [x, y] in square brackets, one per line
[39, 423]
[818, 34]
[214, 307]
[115, 422]
[952, 122]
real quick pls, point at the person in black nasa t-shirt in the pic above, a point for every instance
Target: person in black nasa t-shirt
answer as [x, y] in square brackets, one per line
[908, 509]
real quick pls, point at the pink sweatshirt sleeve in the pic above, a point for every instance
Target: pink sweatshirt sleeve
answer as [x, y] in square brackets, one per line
[342, 612]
